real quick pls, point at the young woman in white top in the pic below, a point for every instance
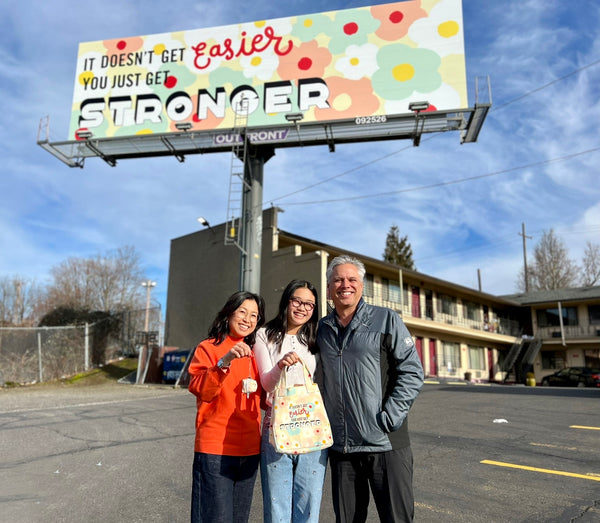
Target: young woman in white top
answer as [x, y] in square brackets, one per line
[292, 485]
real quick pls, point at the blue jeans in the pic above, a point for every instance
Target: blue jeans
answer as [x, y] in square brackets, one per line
[292, 485]
[222, 487]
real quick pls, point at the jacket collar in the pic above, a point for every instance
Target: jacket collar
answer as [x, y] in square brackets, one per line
[331, 318]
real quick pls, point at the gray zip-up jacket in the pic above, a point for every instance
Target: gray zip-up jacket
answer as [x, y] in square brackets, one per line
[371, 377]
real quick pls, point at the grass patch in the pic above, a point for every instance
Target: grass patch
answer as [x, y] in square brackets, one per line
[105, 375]
[111, 372]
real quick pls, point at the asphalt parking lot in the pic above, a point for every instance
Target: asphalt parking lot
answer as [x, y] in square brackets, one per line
[123, 453]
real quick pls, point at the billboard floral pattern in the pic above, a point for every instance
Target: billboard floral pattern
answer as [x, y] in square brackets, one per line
[329, 66]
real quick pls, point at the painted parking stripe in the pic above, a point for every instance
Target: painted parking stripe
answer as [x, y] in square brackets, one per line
[582, 427]
[593, 477]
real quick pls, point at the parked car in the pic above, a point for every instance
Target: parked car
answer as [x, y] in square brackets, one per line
[573, 377]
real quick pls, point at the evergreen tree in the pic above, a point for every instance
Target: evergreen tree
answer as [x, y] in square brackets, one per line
[398, 250]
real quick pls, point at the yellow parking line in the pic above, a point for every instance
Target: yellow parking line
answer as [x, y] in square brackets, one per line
[545, 471]
[582, 427]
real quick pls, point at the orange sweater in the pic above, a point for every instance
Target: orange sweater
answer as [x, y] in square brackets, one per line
[227, 422]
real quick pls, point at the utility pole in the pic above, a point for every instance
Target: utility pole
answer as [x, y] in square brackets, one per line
[18, 310]
[144, 354]
[525, 255]
[148, 284]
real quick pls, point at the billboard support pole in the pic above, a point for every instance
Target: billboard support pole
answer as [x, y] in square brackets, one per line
[251, 252]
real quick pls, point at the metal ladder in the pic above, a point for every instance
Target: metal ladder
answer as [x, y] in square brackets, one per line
[237, 181]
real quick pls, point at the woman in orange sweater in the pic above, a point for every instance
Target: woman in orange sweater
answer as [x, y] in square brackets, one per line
[224, 379]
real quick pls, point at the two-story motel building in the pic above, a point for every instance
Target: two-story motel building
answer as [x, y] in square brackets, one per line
[460, 333]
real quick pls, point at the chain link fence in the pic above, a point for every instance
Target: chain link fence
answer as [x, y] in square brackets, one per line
[36, 354]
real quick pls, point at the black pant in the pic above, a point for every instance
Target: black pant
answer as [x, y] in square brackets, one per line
[389, 476]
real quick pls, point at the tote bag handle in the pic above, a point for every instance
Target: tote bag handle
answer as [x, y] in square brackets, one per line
[308, 385]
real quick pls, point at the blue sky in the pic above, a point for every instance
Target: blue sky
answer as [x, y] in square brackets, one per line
[535, 161]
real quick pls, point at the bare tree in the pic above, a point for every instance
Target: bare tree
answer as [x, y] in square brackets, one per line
[398, 250]
[551, 268]
[107, 282]
[18, 300]
[591, 265]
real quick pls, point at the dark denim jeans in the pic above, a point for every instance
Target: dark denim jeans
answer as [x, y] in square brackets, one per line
[222, 487]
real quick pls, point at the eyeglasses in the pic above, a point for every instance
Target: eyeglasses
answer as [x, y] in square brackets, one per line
[297, 302]
[242, 314]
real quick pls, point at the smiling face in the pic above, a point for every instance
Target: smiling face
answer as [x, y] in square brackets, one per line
[345, 288]
[300, 309]
[243, 320]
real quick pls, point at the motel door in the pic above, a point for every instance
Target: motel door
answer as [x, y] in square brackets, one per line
[419, 347]
[416, 303]
[432, 359]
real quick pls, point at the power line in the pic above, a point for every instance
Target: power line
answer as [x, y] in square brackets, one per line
[451, 182]
[464, 250]
[519, 98]
[358, 167]
[504, 240]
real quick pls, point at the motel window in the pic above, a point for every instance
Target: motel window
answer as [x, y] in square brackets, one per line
[390, 290]
[368, 285]
[551, 317]
[447, 304]
[476, 357]
[451, 355]
[594, 314]
[553, 360]
[429, 304]
[385, 289]
[471, 311]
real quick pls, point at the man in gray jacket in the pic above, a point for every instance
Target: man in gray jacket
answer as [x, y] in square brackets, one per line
[371, 377]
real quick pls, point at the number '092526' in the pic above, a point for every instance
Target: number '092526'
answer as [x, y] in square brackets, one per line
[379, 118]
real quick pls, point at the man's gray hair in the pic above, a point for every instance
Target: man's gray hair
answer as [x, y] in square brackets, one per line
[342, 260]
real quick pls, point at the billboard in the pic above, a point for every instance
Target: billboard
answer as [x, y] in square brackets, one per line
[362, 64]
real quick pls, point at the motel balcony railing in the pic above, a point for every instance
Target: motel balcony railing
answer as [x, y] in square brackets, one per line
[570, 332]
[494, 324]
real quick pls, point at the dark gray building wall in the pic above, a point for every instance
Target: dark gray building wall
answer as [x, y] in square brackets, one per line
[203, 273]
[282, 266]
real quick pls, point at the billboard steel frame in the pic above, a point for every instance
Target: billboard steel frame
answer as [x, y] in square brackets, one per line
[297, 134]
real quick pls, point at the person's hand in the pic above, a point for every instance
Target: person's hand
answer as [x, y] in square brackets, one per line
[239, 350]
[288, 359]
